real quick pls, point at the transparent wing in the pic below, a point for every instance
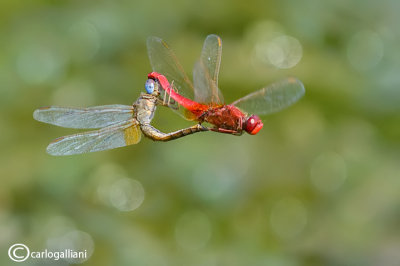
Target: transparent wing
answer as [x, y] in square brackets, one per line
[164, 61]
[119, 135]
[206, 71]
[272, 98]
[91, 117]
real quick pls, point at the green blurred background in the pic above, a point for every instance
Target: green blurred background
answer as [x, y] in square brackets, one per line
[319, 185]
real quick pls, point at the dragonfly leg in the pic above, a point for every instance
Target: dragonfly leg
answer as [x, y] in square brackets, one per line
[171, 88]
[174, 88]
[162, 103]
[165, 96]
[226, 131]
[156, 135]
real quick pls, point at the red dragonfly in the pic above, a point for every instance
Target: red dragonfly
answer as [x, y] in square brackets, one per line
[208, 104]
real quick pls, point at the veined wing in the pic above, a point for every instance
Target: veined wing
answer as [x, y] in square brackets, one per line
[206, 70]
[164, 61]
[119, 135]
[273, 98]
[91, 117]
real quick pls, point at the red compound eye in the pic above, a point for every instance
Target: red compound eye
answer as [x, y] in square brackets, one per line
[253, 125]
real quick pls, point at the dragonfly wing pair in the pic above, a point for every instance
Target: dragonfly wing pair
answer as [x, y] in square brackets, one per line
[205, 72]
[118, 128]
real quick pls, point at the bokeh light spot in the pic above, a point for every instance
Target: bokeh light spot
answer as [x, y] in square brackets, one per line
[365, 50]
[282, 52]
[127, 194]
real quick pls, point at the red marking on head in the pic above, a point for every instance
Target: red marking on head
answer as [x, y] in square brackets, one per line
[253, 125]
[153, 75]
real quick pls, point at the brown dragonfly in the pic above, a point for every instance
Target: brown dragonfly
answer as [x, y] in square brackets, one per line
[120, 125]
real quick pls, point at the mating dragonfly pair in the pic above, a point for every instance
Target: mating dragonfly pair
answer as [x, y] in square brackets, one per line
[168, 85]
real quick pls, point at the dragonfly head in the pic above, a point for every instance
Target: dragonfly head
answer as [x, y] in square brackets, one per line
[253, 124]
[151, 86]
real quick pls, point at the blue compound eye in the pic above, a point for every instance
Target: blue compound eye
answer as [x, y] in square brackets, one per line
[149, 86]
